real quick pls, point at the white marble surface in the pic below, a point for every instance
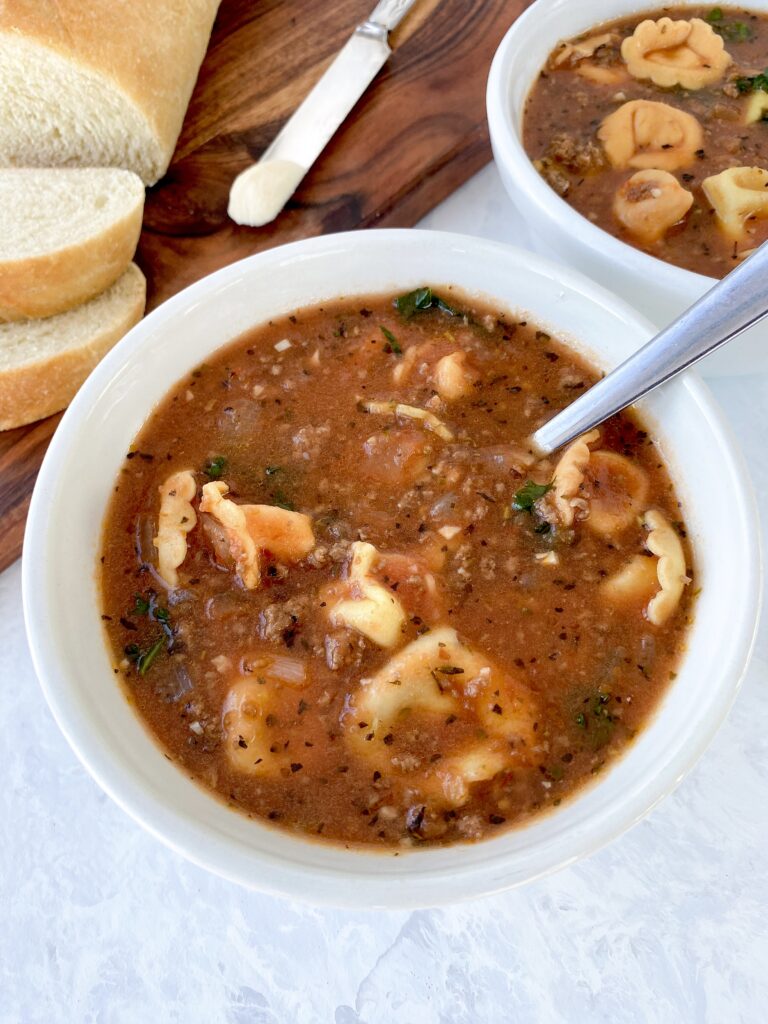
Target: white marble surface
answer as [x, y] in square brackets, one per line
[100, 924]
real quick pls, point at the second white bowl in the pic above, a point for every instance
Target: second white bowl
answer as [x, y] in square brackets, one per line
[659, 290]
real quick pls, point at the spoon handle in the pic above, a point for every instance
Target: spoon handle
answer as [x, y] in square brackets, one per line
[735, 303]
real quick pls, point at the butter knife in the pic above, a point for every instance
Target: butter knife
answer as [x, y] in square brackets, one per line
[260, 192]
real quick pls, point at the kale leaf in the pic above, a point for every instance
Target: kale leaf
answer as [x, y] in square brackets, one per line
[528, 494]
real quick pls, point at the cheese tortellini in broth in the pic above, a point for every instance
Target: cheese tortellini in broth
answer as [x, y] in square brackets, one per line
[676, 52]
[651, 202]
[250, 530]
[647, 134]
[371, 608]
[737, 195]
[440, 675]
[175, 520]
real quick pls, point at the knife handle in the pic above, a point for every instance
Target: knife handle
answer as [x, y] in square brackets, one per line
[387, 14]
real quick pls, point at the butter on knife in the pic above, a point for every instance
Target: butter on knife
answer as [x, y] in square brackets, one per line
[260, 192]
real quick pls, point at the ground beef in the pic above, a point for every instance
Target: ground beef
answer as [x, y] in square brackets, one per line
[308, 441]
[580, 157]
[340, 649]
[205, 730]
[554, 177]
[470, 826]
[323, 554]
[279, 622]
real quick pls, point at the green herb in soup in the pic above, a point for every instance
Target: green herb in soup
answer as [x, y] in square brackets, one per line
[344, 594]
[654, 127]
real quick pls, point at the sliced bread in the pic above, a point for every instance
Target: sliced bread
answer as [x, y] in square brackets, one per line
[65, 236]
[102, 83]
[44, 362]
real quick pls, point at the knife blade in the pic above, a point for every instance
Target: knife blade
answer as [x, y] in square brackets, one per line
[260, 192]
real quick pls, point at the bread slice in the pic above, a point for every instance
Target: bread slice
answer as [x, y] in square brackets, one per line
[44, 362]
[102, 83]
[65, 236]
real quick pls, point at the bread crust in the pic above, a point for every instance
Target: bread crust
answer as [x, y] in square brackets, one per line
[51, 283]
[150, 51]
[39, 388]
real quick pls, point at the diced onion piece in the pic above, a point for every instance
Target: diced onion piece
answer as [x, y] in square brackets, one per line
[547, 557]
[449, 532]
[282, 346]
[284, 669]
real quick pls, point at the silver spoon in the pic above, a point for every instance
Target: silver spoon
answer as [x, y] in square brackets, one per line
[730, 307]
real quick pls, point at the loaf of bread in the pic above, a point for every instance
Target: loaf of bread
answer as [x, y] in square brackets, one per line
[44, 362]
[98, 83]
[65, 235]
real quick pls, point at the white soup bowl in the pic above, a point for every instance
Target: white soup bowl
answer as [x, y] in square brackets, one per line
[62, 600]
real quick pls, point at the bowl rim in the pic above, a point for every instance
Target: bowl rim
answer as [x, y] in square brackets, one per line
[218, 854]
[508, 148]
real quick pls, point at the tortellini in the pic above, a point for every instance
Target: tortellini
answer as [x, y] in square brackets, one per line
[577, 55]
[265, 682]
[618, 491]
[737, 195]
[663, 541]
[452, 377]
[176, 518]
[634, 584]
[676, 52]
[757, 107]
[252, 529]
[569, 476]
[603, 75]
[656, 582]
[246, 740]
[580, 49]
[438, 674]
[371, 608]
[651, 202]
[646, 134]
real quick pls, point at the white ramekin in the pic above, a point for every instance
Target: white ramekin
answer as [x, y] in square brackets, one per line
[659, 290]
[61, 595]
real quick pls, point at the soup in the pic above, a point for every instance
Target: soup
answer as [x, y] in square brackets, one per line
[346, 597]
[654, 127]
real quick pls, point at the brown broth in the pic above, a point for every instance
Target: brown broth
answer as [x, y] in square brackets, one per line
[564, 111]
[288, 427]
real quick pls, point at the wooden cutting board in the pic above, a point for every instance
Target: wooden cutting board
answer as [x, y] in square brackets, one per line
[414, 137]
